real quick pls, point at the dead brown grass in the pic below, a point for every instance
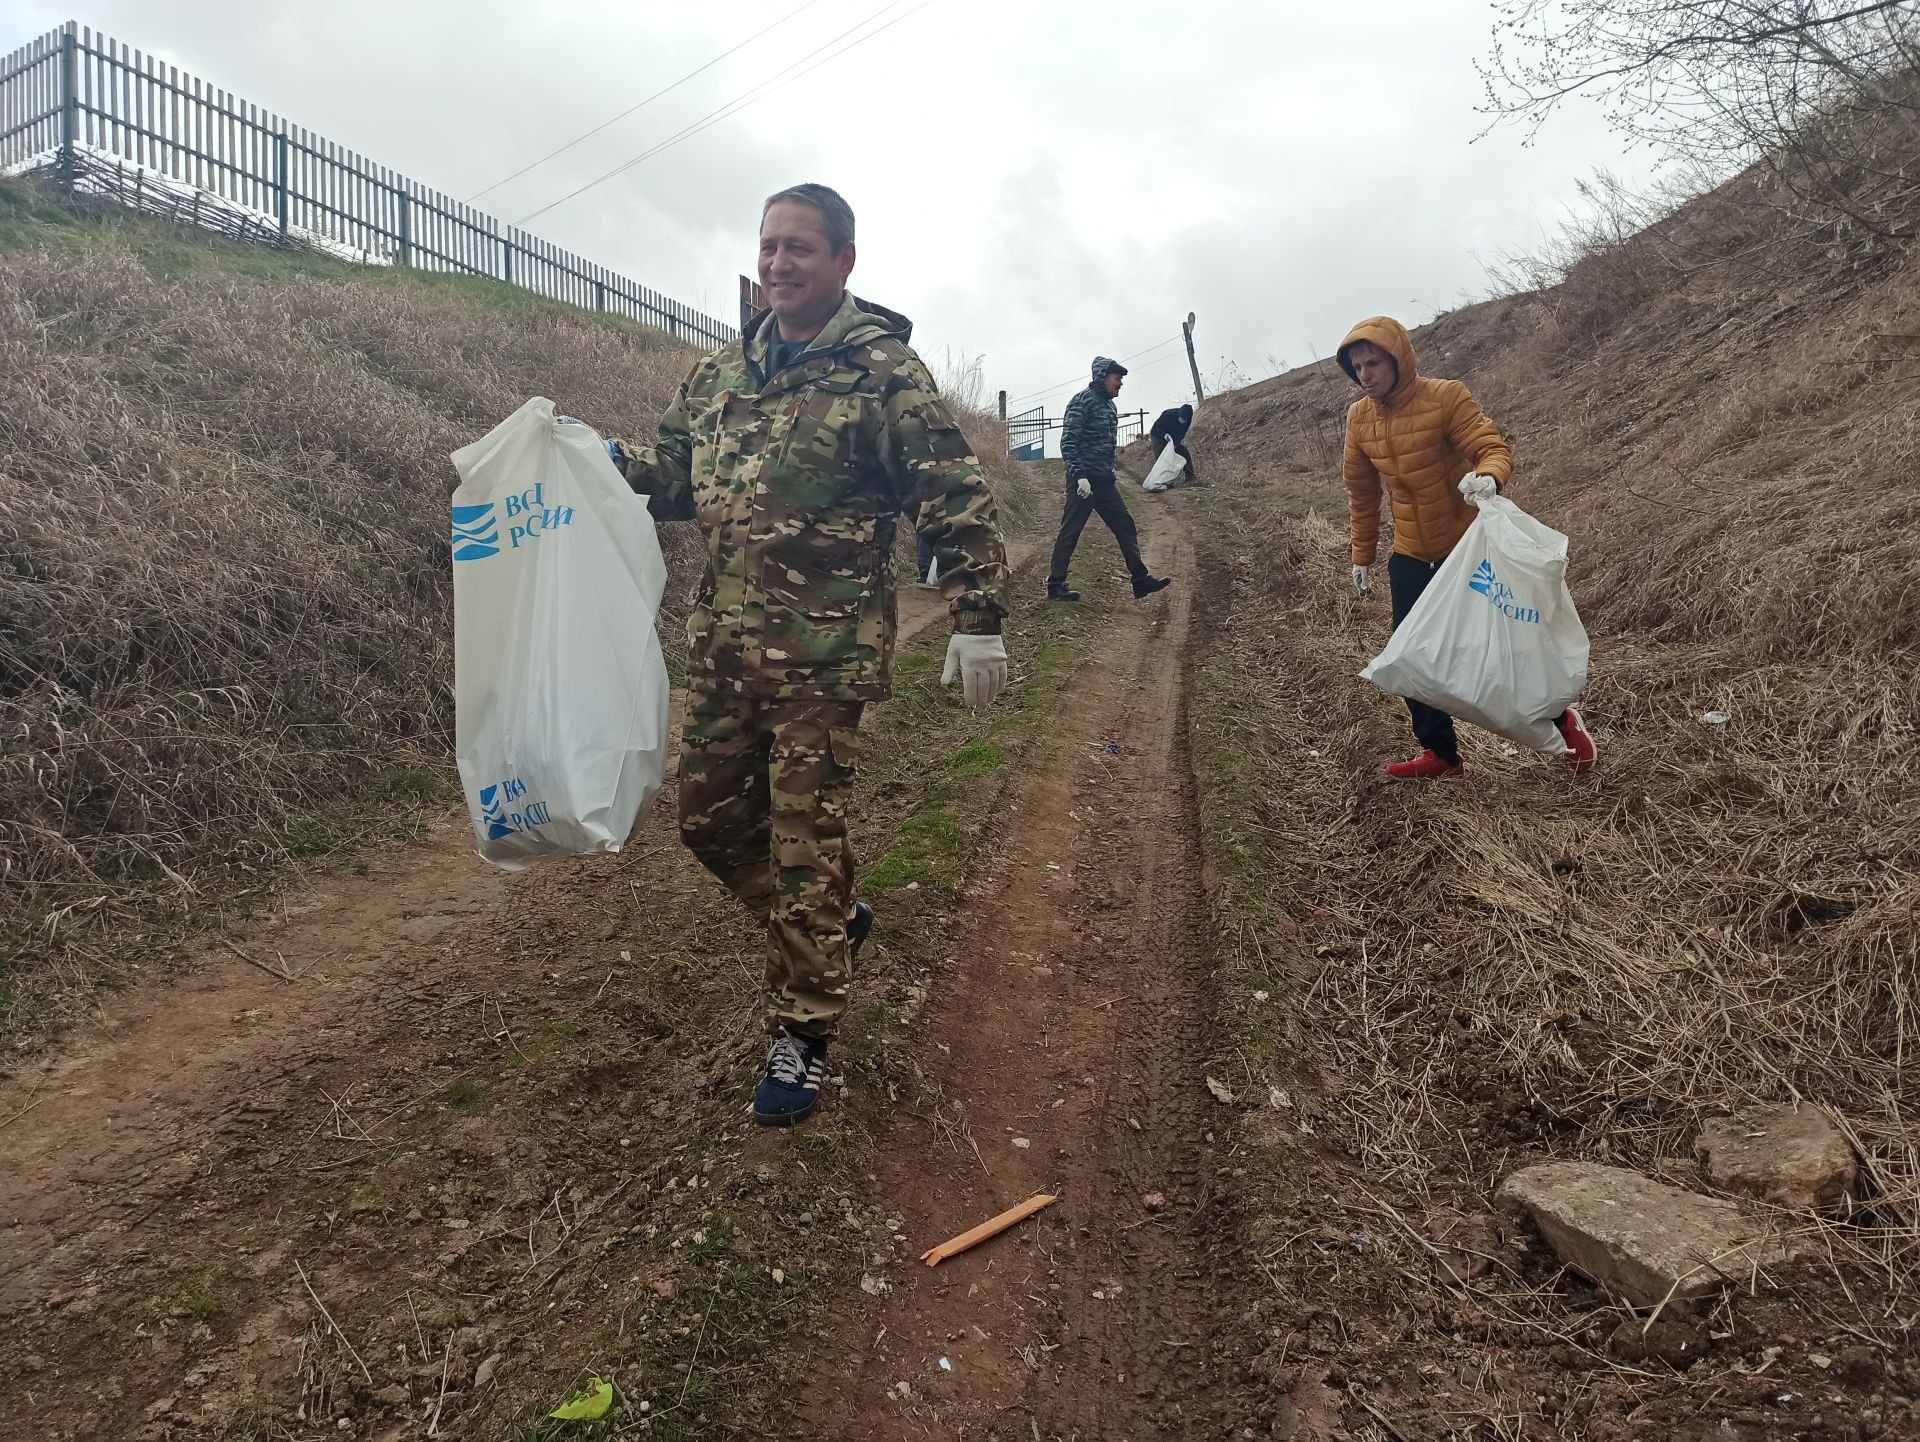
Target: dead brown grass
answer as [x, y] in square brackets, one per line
[225, 590]
[1528, 965]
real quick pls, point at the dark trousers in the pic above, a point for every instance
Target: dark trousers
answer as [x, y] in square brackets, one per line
[924, 550]
[1408, 577]
[1113, 510]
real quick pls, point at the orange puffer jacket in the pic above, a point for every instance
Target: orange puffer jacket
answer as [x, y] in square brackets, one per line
[1420, 441]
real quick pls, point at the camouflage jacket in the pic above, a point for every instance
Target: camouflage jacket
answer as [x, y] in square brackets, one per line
[798, 480]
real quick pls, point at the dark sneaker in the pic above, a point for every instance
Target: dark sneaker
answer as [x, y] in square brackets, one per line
[790, 1090]
[1147, 585]
[859, 927]
[1061, 593]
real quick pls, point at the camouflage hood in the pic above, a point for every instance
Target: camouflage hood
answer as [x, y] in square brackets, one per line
[857, 322]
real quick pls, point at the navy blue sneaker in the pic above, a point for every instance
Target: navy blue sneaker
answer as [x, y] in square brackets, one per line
[859, 927]
[790, 1090]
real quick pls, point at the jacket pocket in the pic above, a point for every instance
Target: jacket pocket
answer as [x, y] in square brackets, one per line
[820, 462]
[813, 611]
[848, 747]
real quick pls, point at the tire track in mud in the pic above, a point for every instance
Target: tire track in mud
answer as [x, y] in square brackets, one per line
[1066, 1049]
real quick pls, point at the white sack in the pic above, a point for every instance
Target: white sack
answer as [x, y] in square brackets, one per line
[1494, 639]
[560, 690]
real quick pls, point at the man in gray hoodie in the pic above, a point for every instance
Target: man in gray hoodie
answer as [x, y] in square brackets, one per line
[1087, 443]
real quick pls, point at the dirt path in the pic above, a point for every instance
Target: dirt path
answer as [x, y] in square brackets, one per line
[162, 1164]
[166, 1073]
[391, 1128]
[1067, 1051]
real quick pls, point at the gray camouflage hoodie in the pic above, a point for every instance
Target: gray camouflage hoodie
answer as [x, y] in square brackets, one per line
[1092, 426]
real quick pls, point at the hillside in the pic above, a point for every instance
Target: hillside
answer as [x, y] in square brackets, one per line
[396, 1145]
[1526, 966]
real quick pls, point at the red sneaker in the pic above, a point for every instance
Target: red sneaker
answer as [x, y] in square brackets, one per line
[1425, 766]
[1580, 749]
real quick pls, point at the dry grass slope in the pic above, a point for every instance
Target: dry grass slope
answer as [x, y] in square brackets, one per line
[1727, 913]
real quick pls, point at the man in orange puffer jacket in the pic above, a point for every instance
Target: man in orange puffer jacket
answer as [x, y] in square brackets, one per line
[1434, 450]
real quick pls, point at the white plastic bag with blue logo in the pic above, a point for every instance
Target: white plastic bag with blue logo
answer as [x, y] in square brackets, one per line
[560, 690]
[1495, 638]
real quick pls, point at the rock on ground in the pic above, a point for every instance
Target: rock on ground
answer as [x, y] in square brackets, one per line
[1642, 1240]
[1790, 1156]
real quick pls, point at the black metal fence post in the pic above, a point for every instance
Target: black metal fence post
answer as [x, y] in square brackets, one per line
[404, 255]
[280, 186]
[69, 104]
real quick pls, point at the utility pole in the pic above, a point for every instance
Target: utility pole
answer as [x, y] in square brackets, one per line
[1192, 364]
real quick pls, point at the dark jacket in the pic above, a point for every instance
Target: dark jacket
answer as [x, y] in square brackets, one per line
[1092, 426]
[1171, 426]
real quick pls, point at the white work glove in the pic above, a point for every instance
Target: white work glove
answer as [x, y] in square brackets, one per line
[1477, 488]
[1086, 488]
[979, 663]
[1363, 580]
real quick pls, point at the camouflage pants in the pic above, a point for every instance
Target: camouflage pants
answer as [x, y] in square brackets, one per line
[763, 804]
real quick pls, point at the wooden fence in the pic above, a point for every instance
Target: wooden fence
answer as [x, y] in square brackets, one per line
[74, 90]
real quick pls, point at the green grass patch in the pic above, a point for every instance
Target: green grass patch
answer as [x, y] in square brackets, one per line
[464, 1094]
[196, 1295]
[1228, 770]
[863, 1045]
[252, 1422]
[538, 1042]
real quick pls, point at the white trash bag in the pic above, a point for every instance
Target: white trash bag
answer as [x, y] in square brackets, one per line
[1166, 470]
[560, 690]
[1494, 639]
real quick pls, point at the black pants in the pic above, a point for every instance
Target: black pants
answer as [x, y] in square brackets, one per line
[1408, 576]
[1113, 510]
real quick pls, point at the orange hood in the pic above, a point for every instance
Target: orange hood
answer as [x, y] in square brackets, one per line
[1392, 338]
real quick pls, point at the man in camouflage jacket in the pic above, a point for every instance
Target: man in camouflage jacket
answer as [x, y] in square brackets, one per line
[797, 448]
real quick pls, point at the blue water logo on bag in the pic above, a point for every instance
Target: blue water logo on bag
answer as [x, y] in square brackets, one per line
[476, 530]
[530, 517]
[476, 535]
[499, 820]
[1501, 595]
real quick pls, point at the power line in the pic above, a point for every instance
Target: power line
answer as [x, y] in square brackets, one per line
[1074, 380]
[648, 101]
[742, 101]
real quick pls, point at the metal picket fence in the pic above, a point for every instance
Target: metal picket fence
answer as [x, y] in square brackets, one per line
[73, 94]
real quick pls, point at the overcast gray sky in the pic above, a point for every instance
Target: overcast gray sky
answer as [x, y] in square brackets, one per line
[1035, 182]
